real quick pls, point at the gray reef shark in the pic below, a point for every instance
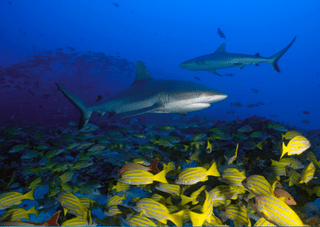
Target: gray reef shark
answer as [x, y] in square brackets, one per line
[148, 95]
[221, 60]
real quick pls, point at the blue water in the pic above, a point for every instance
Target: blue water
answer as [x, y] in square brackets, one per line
[162, 34]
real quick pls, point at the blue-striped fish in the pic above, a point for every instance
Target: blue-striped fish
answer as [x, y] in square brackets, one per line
[231, 155]
[312, 158]
[233, 176]
[117, 210]
[50, 222]
[138, 220]
[258, 185]
[275, 211]
[14, 198]
[121, 187]
[238, 214]
[294, 176]
[153, 209]
[78, 221]
[290, 135]
[71, 204]
[195, 174]
[16, 214]
[115, 200]
[308, 173]
[172, 189]
[296, 146]
[226, 192]
[263, 222]
[137, 177]
[292, 162]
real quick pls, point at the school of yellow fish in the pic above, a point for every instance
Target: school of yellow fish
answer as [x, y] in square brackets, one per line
[212, 194]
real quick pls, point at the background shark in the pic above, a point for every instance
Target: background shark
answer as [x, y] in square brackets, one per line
[148, 95]
[221, 60]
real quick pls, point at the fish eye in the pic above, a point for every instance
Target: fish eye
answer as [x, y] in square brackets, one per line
[289, 198]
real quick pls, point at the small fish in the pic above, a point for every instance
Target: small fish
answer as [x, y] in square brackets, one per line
[226, 192]
[115, 4]
[238, 214]
[17, 148]
[237, 104]
[290, 135]
[231, 112]
[252, 105]
[9, 199]
[254, 90]
[138, 220]
[294, 176]
[275, 211]
[115, 200]
[292, 162]
[233, 176]
[305, 112]
[305, 122]
[258, 185]
[136, 177]
[277, 127]
[153, 209]
[72, 204]
[153, 167]
[221, 34]
[296, 146]
[197, 78]
[280, 192]
[308, 173]
[246, 128]
[172, 189]
[50, 222]
[195, 174]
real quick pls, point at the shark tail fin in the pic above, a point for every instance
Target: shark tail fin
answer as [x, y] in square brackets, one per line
[79, 103]
[274, 59]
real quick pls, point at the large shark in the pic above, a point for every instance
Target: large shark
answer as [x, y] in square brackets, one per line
[148, 95]
[221, 60]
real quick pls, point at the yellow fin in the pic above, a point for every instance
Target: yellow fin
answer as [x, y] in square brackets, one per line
[176, 218]
[284, 150]
[213, 171]
[197, 219]
[161, 177]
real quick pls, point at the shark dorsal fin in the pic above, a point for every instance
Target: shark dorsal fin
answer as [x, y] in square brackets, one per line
[221, 48]
[141, 73]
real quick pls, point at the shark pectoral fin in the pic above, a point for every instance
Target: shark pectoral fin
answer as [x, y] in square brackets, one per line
[111, 114]
[101, 114]
[143, 110]
[238, 65]
[214, 72]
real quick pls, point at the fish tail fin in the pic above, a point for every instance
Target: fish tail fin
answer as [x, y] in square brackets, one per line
[185, 200]
[284, 150]
[80, 104]
[53, 220]
[154, 166]
[197, 219]
[29, 195]
[176, 218]
[274, 59]
[161, 177]
[213, 171]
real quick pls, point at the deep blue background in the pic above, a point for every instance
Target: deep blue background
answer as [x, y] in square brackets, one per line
[163, 34]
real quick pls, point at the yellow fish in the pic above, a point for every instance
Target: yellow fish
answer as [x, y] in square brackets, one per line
[192, 198]
[275, 211]
[173, 189]
[137, 177]
[258, 185]
[195, 174]
[233, 176]
[308, 173]
[290, 135]
[296, 146]
[153, 209]
[238, 214]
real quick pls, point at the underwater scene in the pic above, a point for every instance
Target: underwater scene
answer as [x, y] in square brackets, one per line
[159, 113]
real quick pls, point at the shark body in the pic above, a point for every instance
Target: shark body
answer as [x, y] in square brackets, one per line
[220, 59]
[148, 95]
